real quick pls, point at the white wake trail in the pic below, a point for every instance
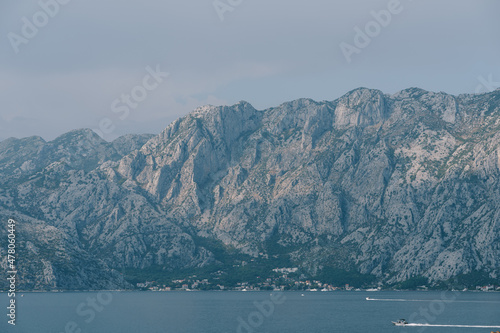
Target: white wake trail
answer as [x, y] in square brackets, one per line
[425, 300]
[436, 325]
[393, 300]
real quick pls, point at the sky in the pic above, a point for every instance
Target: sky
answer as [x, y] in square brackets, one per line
[121, 66]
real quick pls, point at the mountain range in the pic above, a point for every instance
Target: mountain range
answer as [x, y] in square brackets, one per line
[391, 187]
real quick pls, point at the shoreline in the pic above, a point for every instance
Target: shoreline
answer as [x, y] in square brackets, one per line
[245, 291]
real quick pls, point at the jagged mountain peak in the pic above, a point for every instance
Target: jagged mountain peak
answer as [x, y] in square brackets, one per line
[32, 139]
[206, 109]
[362, 93]
[411, 92]
[79, 136]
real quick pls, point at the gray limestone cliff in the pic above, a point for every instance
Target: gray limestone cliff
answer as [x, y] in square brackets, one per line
[396, 186]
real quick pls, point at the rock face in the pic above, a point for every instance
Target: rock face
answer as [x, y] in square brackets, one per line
[395, 186]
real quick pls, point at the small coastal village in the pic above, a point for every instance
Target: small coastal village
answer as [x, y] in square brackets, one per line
[282, 279]
[285, 279]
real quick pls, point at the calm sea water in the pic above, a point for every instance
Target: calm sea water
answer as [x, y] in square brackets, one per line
[221, 312]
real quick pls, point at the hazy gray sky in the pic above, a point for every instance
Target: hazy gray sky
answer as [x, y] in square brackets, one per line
[88, 55]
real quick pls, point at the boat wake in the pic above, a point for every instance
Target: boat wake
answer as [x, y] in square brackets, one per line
[424, 300]
[436, 325]
[391, 300]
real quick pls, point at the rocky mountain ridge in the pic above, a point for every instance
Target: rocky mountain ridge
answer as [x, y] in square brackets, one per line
[394, 186]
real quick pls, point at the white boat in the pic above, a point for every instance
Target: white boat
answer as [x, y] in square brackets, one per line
[400, 322]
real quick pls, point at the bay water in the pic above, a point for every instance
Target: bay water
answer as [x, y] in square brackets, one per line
[272, 311]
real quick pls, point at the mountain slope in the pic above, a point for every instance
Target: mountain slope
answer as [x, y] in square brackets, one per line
[394, 186]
